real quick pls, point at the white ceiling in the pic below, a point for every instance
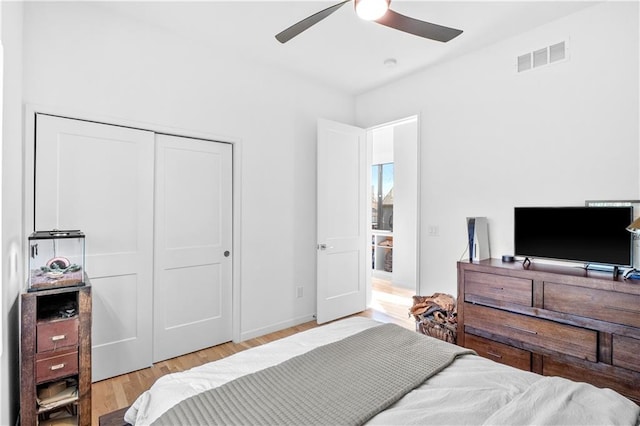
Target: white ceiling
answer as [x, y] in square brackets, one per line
[342, 50]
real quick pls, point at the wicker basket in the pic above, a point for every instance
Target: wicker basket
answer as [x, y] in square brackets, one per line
[445, 331]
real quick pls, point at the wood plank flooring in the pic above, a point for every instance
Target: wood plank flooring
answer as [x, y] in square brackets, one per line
[393, 301]
[389, 304]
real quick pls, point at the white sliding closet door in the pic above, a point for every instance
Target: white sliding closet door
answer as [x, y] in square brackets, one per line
[99, 178]
[193, 236]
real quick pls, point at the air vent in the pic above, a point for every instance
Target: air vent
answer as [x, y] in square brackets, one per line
[541, 57]
[557, 52]
[524, 62]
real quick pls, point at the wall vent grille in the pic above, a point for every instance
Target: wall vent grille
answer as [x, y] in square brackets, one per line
[557, 52]
[524, 62]
[541, 57]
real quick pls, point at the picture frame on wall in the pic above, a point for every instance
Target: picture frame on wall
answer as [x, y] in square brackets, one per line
[616, 203]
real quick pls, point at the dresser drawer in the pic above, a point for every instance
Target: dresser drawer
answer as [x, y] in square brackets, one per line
[57, 366]
[499, 288]
[626, 352]
[626, 384]
[57, 334]
[604, 305]
[547, 335]
[499, 352]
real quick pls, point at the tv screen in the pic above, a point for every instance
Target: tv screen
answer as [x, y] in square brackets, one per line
[594, 235]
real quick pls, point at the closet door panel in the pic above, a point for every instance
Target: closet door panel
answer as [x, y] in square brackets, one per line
[99, 178]
[192, 290]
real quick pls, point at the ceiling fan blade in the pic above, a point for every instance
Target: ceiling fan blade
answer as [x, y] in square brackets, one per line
[416, 27]
[307, 22]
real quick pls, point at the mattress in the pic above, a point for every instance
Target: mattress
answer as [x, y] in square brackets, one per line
[472, 390]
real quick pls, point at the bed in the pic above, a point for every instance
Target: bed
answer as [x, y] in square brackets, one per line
[465, 389]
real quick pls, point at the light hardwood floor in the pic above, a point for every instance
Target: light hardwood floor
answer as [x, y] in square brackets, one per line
[389, 304]
[392, 301]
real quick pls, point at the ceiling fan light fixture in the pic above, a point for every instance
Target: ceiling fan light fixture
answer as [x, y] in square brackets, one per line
[370, 10]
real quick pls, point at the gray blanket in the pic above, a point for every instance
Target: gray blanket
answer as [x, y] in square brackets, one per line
[342, 383]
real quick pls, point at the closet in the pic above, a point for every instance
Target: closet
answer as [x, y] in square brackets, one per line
[156, 212]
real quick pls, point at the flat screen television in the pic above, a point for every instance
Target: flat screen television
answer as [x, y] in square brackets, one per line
[591, 235]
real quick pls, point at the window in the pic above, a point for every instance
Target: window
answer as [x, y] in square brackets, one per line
[382, 196]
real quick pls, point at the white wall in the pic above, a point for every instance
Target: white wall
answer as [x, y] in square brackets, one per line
[492, 139]
[77, 56]
[11, 33]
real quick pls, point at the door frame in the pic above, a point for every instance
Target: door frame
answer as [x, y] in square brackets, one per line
[369, 135]
[29, 182]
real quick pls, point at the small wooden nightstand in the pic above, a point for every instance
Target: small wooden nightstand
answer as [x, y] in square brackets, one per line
[56, 355]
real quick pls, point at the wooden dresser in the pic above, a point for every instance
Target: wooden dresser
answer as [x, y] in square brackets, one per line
[56, 356]
[553, 320]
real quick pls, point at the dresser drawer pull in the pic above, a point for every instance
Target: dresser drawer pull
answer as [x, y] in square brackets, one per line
[59, 337]
[617, 308]
[498, 288]
[56, 367]
[521, 329]
[495, 355]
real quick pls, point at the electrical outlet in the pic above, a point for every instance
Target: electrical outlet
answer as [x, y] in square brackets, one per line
[299, 292]
[433, 230]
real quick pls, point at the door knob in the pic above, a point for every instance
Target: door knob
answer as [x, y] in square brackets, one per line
[226, 253]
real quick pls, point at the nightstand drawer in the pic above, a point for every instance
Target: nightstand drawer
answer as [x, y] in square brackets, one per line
[501, 289]
[611, 306]
[625, 352]
[57, 334]
[499, 352]
[56, 366]
[539, 333]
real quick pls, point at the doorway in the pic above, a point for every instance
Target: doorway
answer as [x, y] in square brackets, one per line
[346, 242]
[394, 213]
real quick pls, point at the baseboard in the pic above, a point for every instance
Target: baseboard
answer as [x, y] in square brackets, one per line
[276, 327]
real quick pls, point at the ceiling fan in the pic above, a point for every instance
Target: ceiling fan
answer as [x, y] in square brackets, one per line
[378, 11]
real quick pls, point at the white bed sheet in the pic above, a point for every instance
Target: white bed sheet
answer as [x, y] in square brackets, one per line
[470, 391]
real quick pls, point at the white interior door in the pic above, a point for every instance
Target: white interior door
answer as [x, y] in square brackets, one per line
[342, 220]
[192, 289]
[99, 178]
